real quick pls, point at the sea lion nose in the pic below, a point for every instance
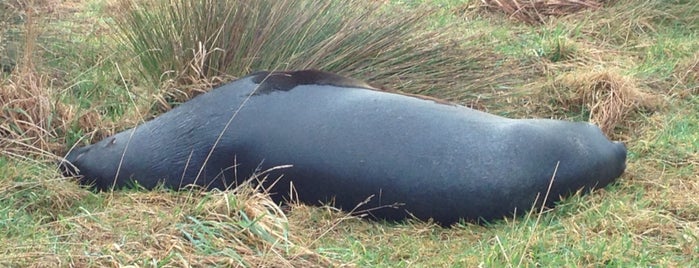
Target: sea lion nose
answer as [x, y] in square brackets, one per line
[68, 164]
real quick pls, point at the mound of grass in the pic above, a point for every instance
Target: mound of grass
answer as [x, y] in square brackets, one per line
[185, 42]
[609, 98]
[28, 110]
[48, 221]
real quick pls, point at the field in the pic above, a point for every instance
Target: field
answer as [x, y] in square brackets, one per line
[76, 71]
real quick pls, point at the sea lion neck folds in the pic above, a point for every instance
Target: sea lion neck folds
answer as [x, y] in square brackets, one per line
[346, 142]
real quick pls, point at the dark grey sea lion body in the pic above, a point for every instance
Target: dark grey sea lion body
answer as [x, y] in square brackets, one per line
[347, 143]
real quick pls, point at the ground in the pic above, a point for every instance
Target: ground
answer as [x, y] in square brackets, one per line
[631, 67]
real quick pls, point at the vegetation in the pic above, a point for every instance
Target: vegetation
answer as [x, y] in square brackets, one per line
[74, 72]
[187, 42]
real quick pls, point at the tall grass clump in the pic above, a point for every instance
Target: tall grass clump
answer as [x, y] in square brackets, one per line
[5, 21]
[610, 98]
[185, 42]
[29, 115]
[244, 226]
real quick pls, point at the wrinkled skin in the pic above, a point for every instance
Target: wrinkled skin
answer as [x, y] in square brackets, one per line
[345, 144]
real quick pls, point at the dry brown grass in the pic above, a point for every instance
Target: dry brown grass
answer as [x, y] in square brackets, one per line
[537, 11]
[29, 111]
[34, 118]
[687, 76]
[239, 227]
[610, 97]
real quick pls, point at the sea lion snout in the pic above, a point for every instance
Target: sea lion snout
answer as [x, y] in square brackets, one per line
[67, 168]
[68, 164]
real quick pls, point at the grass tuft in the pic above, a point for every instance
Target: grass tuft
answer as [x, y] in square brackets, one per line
[31, 117]
[184, 43]
[27, 188]
[239, 227]
[245, 226]
[537, 11]
[609, 98]
[687, 76]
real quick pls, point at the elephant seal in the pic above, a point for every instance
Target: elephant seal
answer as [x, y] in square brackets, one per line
[347, 142]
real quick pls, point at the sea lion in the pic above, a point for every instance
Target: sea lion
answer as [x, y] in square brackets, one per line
[347, 142]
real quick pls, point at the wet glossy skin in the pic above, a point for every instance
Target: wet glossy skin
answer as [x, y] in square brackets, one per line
[347, 143]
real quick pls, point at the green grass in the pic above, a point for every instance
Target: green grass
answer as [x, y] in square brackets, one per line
[101, 82]
[192, 41]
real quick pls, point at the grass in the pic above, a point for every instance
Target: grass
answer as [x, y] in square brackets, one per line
[69, 86]
[211, 41]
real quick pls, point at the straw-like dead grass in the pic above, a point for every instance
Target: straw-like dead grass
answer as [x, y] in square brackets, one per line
[239, 227]
[537, 11]
[29, 111]
[609, 97]
[687, 77]
[630, 24]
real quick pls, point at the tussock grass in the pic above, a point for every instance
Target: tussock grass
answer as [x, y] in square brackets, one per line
[610, 98]
[579, 50]
[181, 43]
[29, 111]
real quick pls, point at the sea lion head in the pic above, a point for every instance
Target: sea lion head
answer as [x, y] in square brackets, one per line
[89, 163]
